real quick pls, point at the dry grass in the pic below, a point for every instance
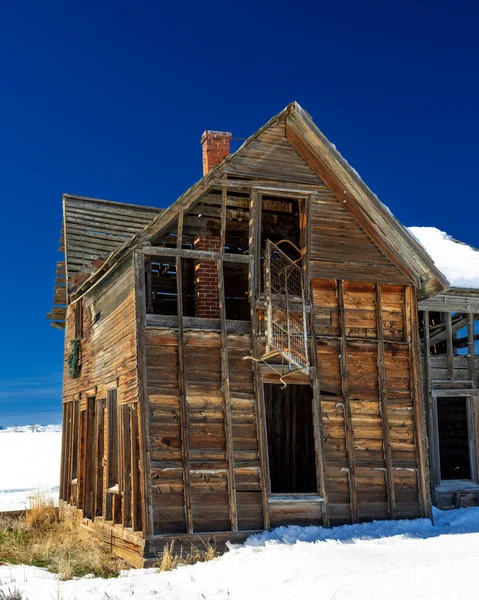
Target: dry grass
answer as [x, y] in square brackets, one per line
[40, 539]
[172, 558]
[10, 594]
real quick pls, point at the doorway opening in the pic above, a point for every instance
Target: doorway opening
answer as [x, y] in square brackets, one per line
[453, 429]
[290, 433]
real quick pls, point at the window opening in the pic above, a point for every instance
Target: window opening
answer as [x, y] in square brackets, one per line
[452, 421]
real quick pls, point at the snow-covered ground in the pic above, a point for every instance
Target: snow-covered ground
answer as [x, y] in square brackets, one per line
[396, 559]
[29, 460]
[389, 559]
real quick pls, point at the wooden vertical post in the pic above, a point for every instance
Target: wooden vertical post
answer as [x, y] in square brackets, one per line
[65, 448]
[383, 404]
[348, 423]
[471, 361]
[185, 447]
[450, 348]
[314, 371]
[412, 336]
[428, 399]
[225, 377]
[135, 480]
[144, 420]
[253, 277]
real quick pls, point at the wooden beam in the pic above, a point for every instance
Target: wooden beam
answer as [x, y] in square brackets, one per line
[225, 384]
[433, 441]
[265, 186]
[450, 350]
[254, 218]
[471, 361]
[185, 447]
[383, 405]
[135, 458]
[144, 419]
[348, 424]
[412, 335]
[197, 254]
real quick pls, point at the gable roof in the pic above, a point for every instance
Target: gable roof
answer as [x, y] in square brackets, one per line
[92, 229]
[323, 163]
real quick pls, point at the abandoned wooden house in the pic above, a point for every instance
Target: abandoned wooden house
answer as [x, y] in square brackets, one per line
[449, 332]
[247, 357]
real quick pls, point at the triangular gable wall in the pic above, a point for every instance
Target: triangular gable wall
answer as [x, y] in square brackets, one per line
[291, 148]
[340, 249]
[271, 156]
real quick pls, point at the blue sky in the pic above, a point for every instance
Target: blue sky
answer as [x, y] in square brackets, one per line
[110, 99]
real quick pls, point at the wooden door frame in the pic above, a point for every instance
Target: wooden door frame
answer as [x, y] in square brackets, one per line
[470, 396]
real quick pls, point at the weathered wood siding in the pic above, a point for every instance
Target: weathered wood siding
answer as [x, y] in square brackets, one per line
[197, 473]
[369, 400]
[341, 249]
[271, 156]
[108, 362]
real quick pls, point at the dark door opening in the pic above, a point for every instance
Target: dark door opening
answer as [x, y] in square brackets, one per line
[291, 452]
[453, 438]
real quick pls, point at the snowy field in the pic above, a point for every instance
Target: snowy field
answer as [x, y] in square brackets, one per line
[29, 460]
[388, 560]
[395, 559]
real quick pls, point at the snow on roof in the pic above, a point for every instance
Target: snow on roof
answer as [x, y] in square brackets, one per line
[457, 261]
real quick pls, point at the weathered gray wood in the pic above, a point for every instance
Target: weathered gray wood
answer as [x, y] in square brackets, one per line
[144, 420]
[412, 335]
[225, 384]
[383, 406]
[450, 355]
[347, 407]
[253, 246]
[185, 447]
[197, 254]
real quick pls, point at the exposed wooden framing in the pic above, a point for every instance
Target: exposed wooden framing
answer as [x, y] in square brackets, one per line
[254, 245]
[185, 448]
[225, 378]
[450, 353]
[144, 421]
[347, 406]
[471, 361]
[197, 254]
[430, 412]
[383, 405]
[224, 198]
[454, 393]
[267, 187]
[412, 335]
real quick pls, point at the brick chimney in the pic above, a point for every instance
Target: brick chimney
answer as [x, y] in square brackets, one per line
[216, 147]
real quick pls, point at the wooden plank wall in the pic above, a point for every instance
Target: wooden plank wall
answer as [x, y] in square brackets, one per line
[108, 361]
[341, 249]
[205, 434]
[368, 401]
